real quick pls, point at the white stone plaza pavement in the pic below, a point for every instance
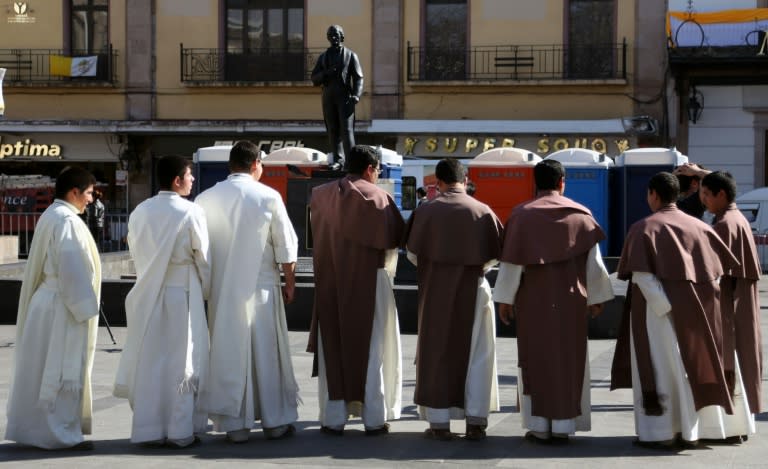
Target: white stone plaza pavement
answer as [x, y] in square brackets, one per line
[609, 444]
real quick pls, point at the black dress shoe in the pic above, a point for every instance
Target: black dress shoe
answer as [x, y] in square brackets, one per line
[289, 432]
[440, 434]
[382, 430]
[331, 431]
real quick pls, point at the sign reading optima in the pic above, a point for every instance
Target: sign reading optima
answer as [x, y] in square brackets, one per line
[25, 148]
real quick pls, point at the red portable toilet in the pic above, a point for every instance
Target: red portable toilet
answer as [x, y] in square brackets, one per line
[288, 163]
[503, 178]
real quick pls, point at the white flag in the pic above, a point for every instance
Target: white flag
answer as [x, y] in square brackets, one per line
[84, 66]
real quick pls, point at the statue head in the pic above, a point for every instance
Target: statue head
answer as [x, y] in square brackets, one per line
[335, 35]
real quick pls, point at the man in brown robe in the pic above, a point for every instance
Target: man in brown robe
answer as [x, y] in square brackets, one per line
[739, 298]
[553, 274]
[452, 240]
[670, 346]
[356, 230]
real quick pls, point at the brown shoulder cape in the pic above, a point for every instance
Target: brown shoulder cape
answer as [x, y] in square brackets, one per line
[353, 223]
[551, 236]
[452, 236]
[740, 306]
[687, 257]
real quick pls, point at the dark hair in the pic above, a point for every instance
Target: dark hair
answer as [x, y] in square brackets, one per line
[242, 155]
[547, 174]
[450, 171]
[169, 168]
[360, 157]
[666, 186]
[721, 181]
[421, 192]
[471, 188]
[73, 177]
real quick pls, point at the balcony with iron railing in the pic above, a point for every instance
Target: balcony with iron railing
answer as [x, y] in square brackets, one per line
[31, 67]
[519, 63]
[228, 66]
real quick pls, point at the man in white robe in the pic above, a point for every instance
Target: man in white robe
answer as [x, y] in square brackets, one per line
[50, 404]
[552, 241]
[355, 336]
[251, 376]
[453, 240]
[165, 359]
[668, 350]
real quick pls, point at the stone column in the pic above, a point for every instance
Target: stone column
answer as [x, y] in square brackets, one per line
[387, 61]
[140, 59]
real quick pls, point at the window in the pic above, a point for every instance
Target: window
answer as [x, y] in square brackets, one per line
[591, 29]
[265, 40]
[445, 40]
[89, 26]
[89, 34]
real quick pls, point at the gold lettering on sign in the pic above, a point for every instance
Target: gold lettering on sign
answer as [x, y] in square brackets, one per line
[471, 144]
[451, 143]
[431, 145]
[410, 142]
[763, 44]
[27, 148]
[489, 143]
[599, 145]
[542, 146]
[622, 145]
[560, 144]
[508, 143]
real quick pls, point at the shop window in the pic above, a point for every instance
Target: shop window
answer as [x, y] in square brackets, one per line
[89, 33]
[591, 31]
[265, 40]
[445, 40]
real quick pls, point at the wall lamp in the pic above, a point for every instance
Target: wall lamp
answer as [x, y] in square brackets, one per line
[695, 105]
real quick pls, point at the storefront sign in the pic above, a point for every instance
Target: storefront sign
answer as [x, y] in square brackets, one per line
[267, 146]
[21, 13]
[25, 148]
[467, 147]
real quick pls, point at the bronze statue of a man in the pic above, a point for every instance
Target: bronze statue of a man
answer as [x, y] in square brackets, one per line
[338, 71]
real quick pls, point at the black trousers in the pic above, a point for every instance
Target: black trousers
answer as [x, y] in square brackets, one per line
[339, 116]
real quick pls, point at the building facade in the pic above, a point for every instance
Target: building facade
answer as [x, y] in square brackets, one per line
[114, 84]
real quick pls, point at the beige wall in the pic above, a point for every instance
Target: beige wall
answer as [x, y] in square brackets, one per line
[45, 33]
[63, 103]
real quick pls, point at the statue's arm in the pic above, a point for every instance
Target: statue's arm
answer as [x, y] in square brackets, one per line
[356, 75]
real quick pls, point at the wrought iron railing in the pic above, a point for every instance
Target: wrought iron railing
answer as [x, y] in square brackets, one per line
[226, 65]
[519, 62]
[34, 66]
[22, 224]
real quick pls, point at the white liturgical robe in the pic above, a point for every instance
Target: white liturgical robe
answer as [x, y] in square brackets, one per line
[599, 290]
[680, 415]
[50, 404]
[251, 374]
[165, 359]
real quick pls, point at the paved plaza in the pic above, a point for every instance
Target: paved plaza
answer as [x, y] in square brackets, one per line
[609, 444]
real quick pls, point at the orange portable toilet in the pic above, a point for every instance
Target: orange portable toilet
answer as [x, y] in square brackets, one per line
[288, 163]
[503, 178]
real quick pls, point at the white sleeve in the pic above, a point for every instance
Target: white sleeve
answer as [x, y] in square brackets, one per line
[653, 292]
[390, 262]
[75, 274]
[284, 239]
[507, 283]
[599, 289]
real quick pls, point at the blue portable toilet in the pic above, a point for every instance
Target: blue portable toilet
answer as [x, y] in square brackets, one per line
[586, 182]
[629, 187]
[391, 177]
[210, 165]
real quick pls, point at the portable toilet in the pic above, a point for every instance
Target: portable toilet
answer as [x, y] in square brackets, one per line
[629, 186]
[586, 182]
[211, 165]
[288, 163]
[391, 177]
[503, 178]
